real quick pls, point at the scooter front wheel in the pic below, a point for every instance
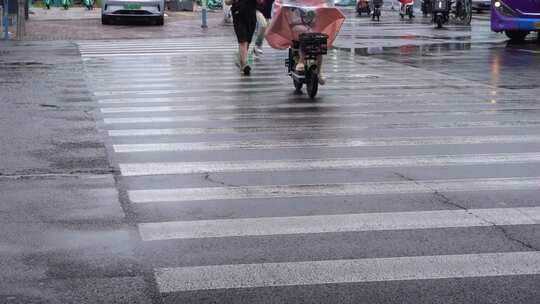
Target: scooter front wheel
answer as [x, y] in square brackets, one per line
[439, 23]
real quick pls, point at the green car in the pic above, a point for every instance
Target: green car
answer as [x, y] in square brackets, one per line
[344, 2]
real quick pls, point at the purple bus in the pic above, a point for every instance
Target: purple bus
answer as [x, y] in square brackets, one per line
[517, 18]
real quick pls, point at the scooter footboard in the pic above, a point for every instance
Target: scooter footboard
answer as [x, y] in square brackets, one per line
[313, 44]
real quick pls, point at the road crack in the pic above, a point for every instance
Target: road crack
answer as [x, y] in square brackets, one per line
[20, 175]
[210, 179]
[447, 201]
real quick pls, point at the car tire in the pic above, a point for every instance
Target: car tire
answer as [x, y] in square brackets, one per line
[105, 20]
[160, 21]
[516, 36]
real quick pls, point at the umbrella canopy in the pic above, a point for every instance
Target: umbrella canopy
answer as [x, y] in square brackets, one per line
[293, 18]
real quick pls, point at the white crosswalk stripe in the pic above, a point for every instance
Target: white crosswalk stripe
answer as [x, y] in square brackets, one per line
[376, 153]
[138, 169]
[339, 223]
[308, 190]
[347, 271]
[327, 142]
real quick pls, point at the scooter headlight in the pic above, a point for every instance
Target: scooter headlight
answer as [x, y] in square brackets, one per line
[504, 9]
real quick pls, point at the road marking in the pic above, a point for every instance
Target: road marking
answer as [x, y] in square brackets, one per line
[325, 143]
[272, 116]
[317, 129]
[347, 271]
[162, 168]
[320, 190]
[273, 88]
[184, 99]
[287, 105]
[268, 226]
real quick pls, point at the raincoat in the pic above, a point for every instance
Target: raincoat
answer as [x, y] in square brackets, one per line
[294, 17]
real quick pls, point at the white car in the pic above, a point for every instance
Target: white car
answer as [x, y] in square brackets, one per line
[148, 9]
[481, 5]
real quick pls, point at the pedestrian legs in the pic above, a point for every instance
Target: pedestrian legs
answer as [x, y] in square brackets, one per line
[262, 25]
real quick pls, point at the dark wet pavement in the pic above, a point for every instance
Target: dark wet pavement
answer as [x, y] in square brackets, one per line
[411, 178]
[63, 234]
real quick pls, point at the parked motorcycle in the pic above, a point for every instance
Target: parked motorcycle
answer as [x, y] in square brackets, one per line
[427, 7]
[406, 9]
[441, 12]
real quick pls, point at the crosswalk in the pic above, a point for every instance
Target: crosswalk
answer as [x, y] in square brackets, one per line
[384, 186]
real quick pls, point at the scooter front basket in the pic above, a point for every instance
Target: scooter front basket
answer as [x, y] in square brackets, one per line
[313, 44]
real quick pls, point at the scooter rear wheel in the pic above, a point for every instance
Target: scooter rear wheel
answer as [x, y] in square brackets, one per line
[439, 23]
[312, 82]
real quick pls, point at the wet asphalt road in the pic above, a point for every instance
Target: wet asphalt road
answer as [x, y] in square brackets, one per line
[412, 178]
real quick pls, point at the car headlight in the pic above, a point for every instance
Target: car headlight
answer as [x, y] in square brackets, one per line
[504, 9]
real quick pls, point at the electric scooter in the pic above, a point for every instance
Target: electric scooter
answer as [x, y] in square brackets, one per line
[311, 45]
[376, 13]
[441, 12]
[406, 9]
[377, 4]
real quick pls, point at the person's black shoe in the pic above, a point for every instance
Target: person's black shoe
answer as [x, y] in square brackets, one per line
[246, 69]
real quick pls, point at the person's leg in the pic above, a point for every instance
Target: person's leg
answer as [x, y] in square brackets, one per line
[262, 25]
[243, 51]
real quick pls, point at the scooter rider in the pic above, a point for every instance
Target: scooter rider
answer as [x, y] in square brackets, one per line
[403, 4]
[375, 4]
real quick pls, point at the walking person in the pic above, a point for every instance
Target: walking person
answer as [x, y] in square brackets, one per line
[264, 14]
[244, 21]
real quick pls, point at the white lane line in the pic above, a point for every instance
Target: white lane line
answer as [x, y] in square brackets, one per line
[347, 271]
[320, 190]
[471, 106]
[195, 107]
[163, 168]
[185, 99]
[304, 115]
[156, 53]
[310, 128]
[271, 226]
[273, 88]
[325, 143]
